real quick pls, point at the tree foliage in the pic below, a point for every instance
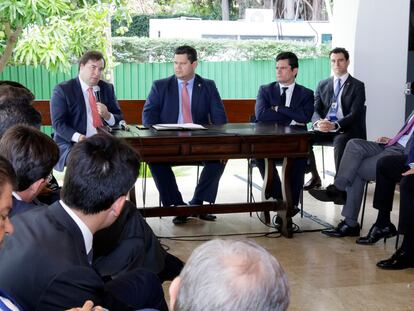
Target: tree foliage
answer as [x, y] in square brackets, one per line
[144, 50]
[55, 32]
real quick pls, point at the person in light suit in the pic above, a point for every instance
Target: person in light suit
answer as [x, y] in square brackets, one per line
[285, 102]
[80, 105]
[58, 239]
[390, 171]
[185, 98]
[339, 112]
[358, 165]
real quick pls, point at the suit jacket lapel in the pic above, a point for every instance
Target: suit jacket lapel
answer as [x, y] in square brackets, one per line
[346, 86]
[80, 100]
[195, 97]
[174, 100]
[62, 217]
[276, 94]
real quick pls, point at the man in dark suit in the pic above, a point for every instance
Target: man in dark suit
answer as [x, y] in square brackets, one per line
[358, 165]
[58, 239]
[339, 111]
[287, 103]
[25, 148]
[185, 98]
[80, 105]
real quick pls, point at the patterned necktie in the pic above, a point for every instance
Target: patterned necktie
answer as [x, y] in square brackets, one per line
[404, 131]
[185, 104]
[283, 96]
[96, 119]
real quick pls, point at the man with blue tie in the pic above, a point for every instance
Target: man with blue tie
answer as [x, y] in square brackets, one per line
[185, 97]
[339, 112]
[80, 105]
[358, 165]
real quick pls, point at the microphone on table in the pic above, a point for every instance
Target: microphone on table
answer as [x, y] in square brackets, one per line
[97, 91]
[124, 126]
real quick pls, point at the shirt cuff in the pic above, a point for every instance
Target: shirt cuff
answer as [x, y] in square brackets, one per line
[75, 137]
[411, 165]
[111, 120]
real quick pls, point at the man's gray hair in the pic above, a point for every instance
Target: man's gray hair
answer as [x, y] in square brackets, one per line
[229, 275]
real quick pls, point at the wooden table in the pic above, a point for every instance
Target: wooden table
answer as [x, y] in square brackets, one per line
[229, 141]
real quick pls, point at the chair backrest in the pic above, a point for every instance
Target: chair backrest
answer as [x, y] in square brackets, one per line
[364, 123]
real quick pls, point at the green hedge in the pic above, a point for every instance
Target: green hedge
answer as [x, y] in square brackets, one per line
[144, 50]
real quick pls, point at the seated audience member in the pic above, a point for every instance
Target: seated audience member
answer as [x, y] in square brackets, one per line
[185, 97]
[58, 239]
[285, 102]
[392, 170]
[339, 111]
[15, 108]
[32, 155]
[11, 114]
[358, 165]
[80, 105]
[7, 182]
[15, 93]
[242, 276]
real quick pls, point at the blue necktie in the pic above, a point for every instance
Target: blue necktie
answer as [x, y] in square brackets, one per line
[334, 105]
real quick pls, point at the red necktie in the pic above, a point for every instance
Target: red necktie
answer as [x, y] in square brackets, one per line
[404, 131]
[185, 104]
[96, 118]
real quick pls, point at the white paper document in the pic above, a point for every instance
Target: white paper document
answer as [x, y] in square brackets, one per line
[184, 126]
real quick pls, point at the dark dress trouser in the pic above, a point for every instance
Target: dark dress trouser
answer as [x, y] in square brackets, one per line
[297, 177]
[389, 170]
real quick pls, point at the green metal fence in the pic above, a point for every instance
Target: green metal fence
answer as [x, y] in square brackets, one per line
[239, 79]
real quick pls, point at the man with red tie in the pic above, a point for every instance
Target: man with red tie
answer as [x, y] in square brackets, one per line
[185, 98]
[80, 105]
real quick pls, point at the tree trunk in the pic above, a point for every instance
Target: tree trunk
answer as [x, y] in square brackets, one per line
[289, 9]
[328, 8]
[12, 37]
[267, 4]
[225, 14]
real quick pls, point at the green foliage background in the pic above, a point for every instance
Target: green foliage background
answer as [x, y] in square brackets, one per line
[144, 50]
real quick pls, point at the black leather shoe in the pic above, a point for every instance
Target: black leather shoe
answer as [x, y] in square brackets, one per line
[342, 230]
[207, 217]
[179, 220]
[400, 260]
[330, 194]
[278, 219]
[376, 233]
[314, 182]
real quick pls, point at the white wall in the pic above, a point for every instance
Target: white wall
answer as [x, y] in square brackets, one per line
[376, 34]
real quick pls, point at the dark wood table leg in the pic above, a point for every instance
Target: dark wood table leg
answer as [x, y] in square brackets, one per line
[286, 214]
[268, 185]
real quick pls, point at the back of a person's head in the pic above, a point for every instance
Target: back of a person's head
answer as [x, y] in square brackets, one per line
[230, 275]
[7, 175]
[99, 170]
[12, 114]
[32, 154]
[15, 93]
